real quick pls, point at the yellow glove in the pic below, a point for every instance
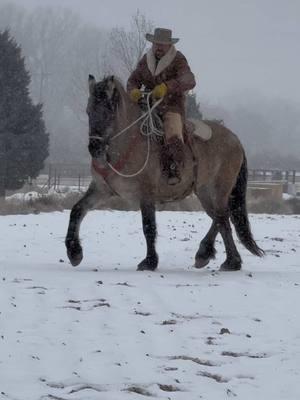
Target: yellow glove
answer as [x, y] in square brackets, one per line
[160, 91]
[135, 95]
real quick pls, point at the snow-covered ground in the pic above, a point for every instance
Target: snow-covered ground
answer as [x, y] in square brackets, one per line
[104, 331]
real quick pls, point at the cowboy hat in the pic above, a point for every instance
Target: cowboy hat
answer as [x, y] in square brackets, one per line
[161, 36]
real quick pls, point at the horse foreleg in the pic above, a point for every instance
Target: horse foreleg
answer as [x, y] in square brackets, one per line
[79, 210]
[233, 261]
[149, 228]
[206, 250]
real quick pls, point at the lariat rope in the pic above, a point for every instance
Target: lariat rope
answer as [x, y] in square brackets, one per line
[147, 129]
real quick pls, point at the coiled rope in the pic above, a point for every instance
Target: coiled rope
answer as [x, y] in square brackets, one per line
[147, 129]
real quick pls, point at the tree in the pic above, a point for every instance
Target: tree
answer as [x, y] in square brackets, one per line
[23, 136]
[193, 107]
[60, 51]
[126, 47]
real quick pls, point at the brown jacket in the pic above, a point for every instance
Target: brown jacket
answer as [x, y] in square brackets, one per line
[173, 70]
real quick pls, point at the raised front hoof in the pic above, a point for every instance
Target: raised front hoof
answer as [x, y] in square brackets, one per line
[201, 262]
[74, 252]
[148, 264]
[232, 265]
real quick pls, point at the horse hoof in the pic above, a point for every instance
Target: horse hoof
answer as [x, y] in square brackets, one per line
[201, 262]
[233, 265]
[75, 260]
[74, 252]
[148, 264]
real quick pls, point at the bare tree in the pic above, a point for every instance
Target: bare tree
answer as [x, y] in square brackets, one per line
[86, 57]
[126, 47]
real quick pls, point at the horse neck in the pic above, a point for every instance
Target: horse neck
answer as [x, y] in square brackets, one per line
[127, 113]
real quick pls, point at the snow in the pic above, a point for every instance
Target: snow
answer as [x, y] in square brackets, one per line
[105, 331]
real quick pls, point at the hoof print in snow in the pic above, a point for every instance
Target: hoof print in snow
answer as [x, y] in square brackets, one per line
[224, 331]
[196, 360]
[77, 304]
[230, 393]
[216, 377]
[138, 390]
[249, 355]
[169, 322]
[210, 340]
[124, 284]
[169, 388]
[143, 314]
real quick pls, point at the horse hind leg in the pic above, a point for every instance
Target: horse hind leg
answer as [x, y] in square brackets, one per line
[221, 223]
[149, 227]
[233, 260]
[78, 212]
[206, 250]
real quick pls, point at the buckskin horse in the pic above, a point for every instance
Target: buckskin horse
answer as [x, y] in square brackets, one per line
[215, 170]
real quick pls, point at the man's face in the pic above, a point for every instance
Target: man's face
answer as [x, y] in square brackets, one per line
[159, 50]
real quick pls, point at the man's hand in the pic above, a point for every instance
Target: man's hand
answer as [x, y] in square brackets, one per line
[160, 91]
[135, 95]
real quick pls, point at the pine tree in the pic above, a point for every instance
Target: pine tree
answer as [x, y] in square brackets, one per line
[23, 138]
[193, 107]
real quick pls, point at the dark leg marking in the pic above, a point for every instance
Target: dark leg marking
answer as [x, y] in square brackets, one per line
[149, 227]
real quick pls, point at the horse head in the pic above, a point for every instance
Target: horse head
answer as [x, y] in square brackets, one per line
[103, 102]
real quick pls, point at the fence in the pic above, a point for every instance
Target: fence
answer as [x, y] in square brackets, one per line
[57, 176]
[78, 176]
[269, 175]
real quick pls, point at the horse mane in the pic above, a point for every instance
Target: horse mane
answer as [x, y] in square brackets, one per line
[125, 110]
[124, 98]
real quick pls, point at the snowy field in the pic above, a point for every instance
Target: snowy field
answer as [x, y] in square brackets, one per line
[103, 331]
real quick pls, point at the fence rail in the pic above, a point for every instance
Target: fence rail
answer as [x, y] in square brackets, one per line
[57, 176]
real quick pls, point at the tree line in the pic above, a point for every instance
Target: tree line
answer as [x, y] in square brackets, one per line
[54, 52]
[58, 51]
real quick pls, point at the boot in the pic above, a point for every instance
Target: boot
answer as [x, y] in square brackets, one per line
[172, 159]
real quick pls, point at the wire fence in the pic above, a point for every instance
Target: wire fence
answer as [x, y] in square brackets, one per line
[78, 176]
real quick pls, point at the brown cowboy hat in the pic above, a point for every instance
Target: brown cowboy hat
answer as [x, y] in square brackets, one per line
[162, 36]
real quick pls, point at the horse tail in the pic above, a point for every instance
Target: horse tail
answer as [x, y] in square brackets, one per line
[239, 214]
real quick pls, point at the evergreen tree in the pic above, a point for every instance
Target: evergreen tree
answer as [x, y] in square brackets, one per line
[193, 107]
[23, 137]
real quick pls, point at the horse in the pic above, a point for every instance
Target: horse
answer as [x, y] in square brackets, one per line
[127, 164]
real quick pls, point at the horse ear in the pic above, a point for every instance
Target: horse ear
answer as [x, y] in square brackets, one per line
[92, 83]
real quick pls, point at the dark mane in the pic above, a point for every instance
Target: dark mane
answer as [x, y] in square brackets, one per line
[111, 93]
[100, 89]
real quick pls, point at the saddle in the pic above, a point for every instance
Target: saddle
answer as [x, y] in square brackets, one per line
[198, 128]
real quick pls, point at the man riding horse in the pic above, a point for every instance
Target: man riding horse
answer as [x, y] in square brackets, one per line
[165, 71]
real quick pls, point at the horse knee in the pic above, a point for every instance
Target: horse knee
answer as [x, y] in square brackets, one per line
[76, 211]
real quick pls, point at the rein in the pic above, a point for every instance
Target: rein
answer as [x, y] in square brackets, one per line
[147, 129]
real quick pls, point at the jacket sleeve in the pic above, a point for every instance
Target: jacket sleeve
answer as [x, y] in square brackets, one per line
[135, 80]
[184, 79]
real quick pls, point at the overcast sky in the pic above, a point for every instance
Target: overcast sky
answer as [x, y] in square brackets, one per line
[234, 47]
